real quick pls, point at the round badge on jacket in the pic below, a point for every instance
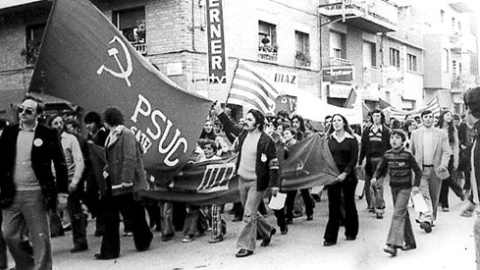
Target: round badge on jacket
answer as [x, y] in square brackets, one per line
[263, 158]
[38, 142]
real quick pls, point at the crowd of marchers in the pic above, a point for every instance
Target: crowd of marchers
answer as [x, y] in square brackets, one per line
[48, 184]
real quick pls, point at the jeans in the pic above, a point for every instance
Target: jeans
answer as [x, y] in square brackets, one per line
[430, 188]
[376, 191]
[335, 191]
[251, 199]
[401, 227]
[166, 209]
[28, 213]
[78, 220]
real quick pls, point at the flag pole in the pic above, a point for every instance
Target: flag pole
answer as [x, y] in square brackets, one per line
[231, 83]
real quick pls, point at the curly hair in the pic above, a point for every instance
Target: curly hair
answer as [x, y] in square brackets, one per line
[113, 116]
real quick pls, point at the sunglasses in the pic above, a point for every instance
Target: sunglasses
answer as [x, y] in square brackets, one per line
[28, 111]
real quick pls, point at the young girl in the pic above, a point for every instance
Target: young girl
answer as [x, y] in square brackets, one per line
[399, 164]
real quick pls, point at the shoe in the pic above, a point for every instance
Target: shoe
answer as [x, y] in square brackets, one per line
[243, 253]
[216, 239]
[127, 234]
[408, 247]
[316, 197]
[426, 226]
[310, 217]
[236, 219]
[188, 239]
[296, 215]
[379, 216]
[67, 226]
[99, 256]
[289, 221]
[328, 243]
[351, 238]
[284, 230]
[78, 249]
[267, 241]
[167, 237]
[392, 250]
[371, 210]
[445, 209]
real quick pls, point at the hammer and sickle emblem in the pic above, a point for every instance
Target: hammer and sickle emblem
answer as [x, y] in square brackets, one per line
[124, 74]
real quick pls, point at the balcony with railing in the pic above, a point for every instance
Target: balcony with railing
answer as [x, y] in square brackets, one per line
[462, 82]
[268, 53]
[140, 47]
[335, 62]
[370, 15]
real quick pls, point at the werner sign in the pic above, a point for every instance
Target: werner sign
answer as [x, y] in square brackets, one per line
[216, 42]
[337, 74]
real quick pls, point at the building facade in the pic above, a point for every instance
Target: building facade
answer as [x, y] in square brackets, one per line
[279, 39]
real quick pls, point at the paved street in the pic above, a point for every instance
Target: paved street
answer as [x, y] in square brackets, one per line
[449, 246]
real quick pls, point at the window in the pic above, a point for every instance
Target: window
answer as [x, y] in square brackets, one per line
[445, 60]
[394, 57]
[337, 44]
[267, 34]
[33, 41]
[442, 16]
[302, 43]
[302, 49]
[412, 62]
[454, 68]
[267, 41]
[131, 22]
[369, 54]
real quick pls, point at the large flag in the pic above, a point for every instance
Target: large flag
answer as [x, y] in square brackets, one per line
[432, 105]
[215, 182]
[250, 89]
[86, 60]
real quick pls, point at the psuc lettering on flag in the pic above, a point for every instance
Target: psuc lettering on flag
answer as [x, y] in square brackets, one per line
[162, 126]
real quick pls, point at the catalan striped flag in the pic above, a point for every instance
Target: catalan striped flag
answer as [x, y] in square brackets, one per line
[432, 105]
[250, 89]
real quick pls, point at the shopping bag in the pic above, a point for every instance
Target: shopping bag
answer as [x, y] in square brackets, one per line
[277, 202]
[419, 203]
[360, 187]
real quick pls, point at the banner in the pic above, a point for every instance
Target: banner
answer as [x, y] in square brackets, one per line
[86, 60]
[216, 42]
[398, 114]
[313, 108]
[309, 164]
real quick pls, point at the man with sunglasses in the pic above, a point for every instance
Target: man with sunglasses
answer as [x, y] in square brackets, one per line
[28, 188]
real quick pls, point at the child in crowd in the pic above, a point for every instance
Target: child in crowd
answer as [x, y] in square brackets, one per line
[399, 163]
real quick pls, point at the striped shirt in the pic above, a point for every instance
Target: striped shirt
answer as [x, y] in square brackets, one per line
[400, 164]
[375, 140]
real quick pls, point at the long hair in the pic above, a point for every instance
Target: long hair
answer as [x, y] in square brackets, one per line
[301, 121]
[451, 127]
[259, 118]
[382, 116]
[407, 124]
[346, 127]
[208, 135]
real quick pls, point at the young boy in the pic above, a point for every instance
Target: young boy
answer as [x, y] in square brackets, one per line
[400, 163]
